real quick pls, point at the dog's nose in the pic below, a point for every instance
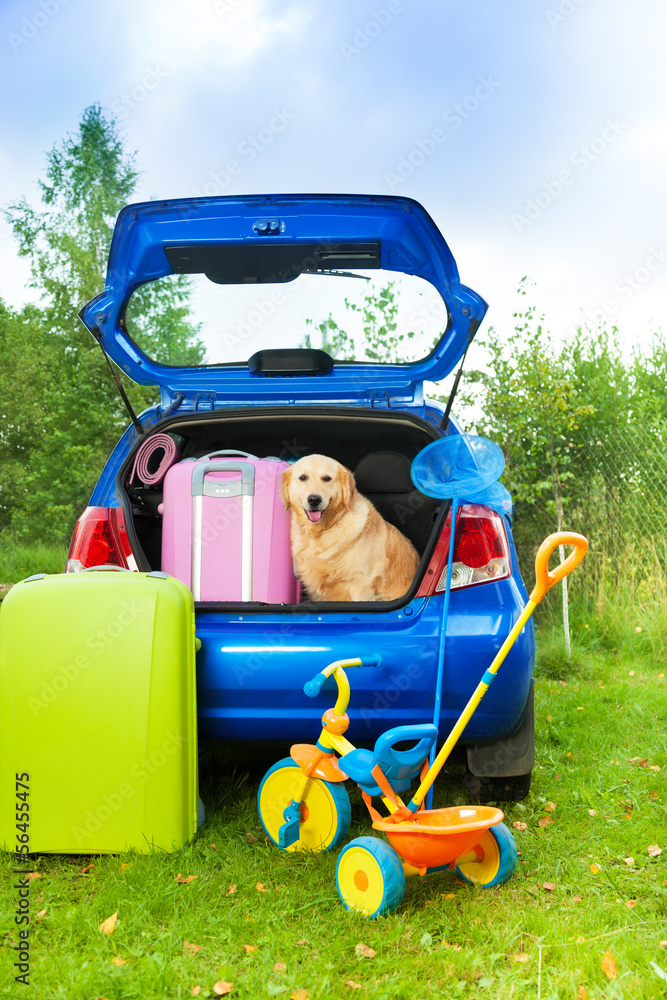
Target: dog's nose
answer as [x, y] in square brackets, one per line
[314, 500]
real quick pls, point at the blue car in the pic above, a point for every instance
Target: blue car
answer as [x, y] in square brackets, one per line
[258, 269]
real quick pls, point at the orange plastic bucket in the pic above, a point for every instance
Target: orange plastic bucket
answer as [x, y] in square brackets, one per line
[437, 837]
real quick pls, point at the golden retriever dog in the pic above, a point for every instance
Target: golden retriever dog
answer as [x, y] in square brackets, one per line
[343, 549]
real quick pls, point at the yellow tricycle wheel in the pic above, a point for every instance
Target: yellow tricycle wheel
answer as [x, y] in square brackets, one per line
[325, 808]
[369, 877]
[496, 858]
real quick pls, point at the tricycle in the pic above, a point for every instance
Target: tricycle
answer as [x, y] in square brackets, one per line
[303, 804]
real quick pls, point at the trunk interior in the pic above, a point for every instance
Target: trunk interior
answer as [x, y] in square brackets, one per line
[378, 446]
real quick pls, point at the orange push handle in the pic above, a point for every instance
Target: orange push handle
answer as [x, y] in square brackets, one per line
[544, 580]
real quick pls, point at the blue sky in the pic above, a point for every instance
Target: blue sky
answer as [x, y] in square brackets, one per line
[533, 133]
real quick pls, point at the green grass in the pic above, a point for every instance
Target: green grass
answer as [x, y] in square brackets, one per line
[17, 561]
[520, 940]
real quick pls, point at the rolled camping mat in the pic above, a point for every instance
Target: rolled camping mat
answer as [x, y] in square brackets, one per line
[151, 468]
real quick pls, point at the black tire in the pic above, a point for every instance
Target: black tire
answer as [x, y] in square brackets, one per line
[501, 771]
[498, 788]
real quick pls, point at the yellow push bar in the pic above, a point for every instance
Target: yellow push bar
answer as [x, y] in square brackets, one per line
[545, 580]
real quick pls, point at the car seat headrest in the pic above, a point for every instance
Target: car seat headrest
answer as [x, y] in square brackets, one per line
[384, 472]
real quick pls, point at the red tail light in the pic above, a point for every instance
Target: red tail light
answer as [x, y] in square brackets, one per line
[481, 551]
[99, 539]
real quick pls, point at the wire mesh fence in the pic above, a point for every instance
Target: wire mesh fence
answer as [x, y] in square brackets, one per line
[616, 499]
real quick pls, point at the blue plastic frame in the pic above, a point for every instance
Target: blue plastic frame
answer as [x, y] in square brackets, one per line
[410, 243]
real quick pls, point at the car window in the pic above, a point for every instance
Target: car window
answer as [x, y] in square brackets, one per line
[382, 317]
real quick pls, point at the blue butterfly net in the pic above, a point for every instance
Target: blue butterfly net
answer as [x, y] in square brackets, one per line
[462, 467]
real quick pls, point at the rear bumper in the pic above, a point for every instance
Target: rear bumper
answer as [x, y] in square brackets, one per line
[252, 667]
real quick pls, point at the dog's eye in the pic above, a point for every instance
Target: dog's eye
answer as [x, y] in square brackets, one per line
[326, 479]
[303, 478]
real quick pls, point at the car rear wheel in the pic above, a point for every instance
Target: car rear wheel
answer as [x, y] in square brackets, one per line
[501, 771]
[498, 788]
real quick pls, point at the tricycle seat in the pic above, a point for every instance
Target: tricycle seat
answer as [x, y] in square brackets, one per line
[398, 766]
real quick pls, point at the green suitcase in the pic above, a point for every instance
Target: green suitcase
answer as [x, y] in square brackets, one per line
[98, 737]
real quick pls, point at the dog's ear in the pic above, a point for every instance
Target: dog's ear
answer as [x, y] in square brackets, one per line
[285, 488]
[348, 487]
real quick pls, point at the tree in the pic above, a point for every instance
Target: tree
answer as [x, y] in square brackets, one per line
[76, 414]
[89, 178]
[583, 426]
[533, 407]
[27, 363]
[379, 341]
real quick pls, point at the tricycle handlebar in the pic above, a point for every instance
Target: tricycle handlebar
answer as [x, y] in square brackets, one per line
[313, 687]
[371, 661]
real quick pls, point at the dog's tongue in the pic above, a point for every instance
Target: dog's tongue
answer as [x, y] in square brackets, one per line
[314, 515]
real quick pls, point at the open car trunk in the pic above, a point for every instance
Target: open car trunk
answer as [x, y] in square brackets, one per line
[378, 446]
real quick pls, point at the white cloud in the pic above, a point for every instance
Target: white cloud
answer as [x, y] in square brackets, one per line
[223, 69]
[215, 34]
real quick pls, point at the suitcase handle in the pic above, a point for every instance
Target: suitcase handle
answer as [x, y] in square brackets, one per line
[228, 451]
[106, 568]
[246, 469]
[237, 452]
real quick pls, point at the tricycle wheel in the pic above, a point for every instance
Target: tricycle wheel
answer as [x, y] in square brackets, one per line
[325, 809]
[496, 859]
[369, 877]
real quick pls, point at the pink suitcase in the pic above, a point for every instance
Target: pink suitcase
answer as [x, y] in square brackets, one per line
[225, 530]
